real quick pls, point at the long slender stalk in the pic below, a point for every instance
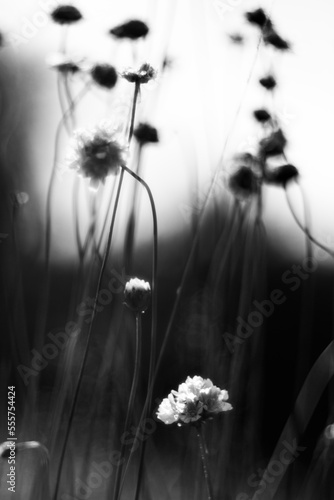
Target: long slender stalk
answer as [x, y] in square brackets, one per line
[48, 230]
[133, 391]
[133, 112]
[83, 363]
[205, 462]
[130, 229]
[148, 401]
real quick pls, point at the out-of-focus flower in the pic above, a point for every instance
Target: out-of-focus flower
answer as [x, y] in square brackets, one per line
[236, 38]
[96, 153]
[137, 295]
[243, 183]
[167, 63]
[145, 133]
[19, 198]
[268, 82]
[66, 14]
[144, 74]
[259, 18]
[133, 30]
[280, 176]
[64, 63]
[274, 144]
[196, 400]
[271, 37]
[8, 446]
[104, 75]
[329, 432]
[262, 115]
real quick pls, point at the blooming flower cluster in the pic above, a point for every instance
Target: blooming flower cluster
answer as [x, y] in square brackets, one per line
[196, 400]
[96, 153]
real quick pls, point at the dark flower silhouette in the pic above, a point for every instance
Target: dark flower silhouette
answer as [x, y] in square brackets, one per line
[133, 30]
[268, 82]
[262, 115]
[145, 133]
[66, 14]
[104, 75]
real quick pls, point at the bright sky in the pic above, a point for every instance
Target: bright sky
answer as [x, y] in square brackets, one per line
[196, 105]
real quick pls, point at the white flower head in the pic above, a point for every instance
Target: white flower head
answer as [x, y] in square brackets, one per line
[196, 400]
[96, 153]
[137, 295]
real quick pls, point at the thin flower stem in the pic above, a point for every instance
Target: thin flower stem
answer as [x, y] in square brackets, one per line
[105, 220]
[48, 229]
[133, 391]
[204, 458]
[83, 363]
[150, 385]
[305, 230]
[130, 229]
[133, 112]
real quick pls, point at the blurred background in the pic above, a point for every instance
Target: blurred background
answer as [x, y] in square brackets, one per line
[209, 61]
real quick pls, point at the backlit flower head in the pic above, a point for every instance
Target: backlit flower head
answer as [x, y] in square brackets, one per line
[236, 38]
[144, 74]
[145, 133]
[268, 82]
[280, 176]
[196, 400]
[271, 37]
[274, 144]
[137, 295]
[262, 115]
[243, 183]
[66, 14]
[259, 18]
[133, 30]
[64, 64]
[104, 75]
[96, 153]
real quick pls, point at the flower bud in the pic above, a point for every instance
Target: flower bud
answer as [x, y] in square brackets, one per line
[268, 82]
[262, 115]
[145, 133]
[137, 295]
[104, 75]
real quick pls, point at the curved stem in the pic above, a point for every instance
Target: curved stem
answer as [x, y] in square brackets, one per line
[98, 288]
[151, 378]
[205, 462]
[305, 229]
[131, 224]
[131, 401]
